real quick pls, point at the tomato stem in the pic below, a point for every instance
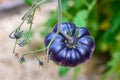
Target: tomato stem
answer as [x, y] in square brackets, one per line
[60, 21]
[15, 45]
[27, 17]
[31, 23]
[58, 30]
[33, 52]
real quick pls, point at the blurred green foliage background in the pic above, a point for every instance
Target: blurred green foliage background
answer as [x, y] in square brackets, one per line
[102, 18]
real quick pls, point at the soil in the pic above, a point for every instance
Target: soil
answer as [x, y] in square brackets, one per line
[11, 69]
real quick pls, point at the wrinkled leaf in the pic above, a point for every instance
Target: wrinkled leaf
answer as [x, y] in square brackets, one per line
[80, 18]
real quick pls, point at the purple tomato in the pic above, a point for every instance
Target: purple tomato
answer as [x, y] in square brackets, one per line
[70, 54]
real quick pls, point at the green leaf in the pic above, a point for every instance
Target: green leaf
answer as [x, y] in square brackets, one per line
[80, 18]
[29, 2]
[63, 71]
[78, 4]
[64, 19]
[76, 72]
[111, 34]
[64, 5]
[114, 65]
[52, 19]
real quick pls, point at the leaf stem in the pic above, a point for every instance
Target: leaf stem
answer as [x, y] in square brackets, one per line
[36, 57]
[86, 3]
[89, 6]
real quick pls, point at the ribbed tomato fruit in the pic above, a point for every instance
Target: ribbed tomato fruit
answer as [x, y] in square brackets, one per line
[70, 54]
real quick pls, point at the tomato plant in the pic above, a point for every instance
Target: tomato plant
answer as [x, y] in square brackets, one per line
[101, 18]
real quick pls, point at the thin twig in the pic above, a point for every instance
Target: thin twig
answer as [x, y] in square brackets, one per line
[25, 17]
[33, 52]
[15, 46]
[30, 25]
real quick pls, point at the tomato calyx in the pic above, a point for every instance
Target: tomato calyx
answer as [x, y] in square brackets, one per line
[72, 44]
[70, 40]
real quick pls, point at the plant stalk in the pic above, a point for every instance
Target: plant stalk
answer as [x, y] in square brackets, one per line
[60, 21]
